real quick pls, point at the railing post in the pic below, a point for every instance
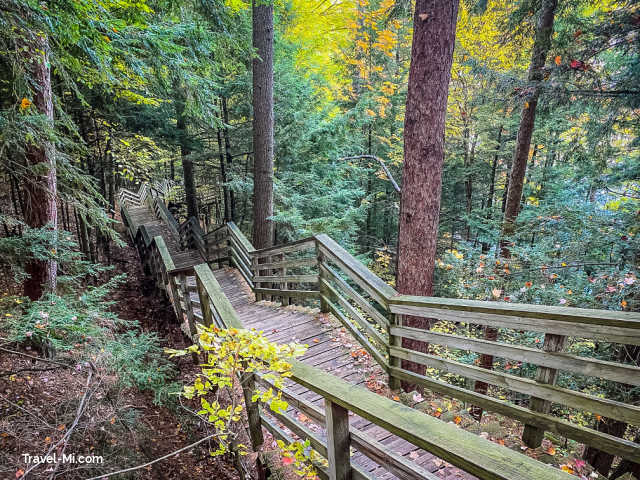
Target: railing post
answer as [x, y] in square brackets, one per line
[253, 411]
[187, 305]
[394, 321]
[175, 297]
[532, 436]
[338, 441]
[256, 273]
[205, 305]
[324, 307]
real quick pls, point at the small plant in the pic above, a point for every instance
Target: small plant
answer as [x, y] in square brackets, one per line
[230, 356]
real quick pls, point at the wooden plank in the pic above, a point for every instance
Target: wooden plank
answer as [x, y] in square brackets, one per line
[292, 263]
[338, 440]
[235, 231]
[221, 303]
[288, 278]
[359, 274]
[613, 371]
[164, 253]
[533, 435]
[289, 293]
[298, 245]
[384, 290]
[368, 346]
[610, 408]
[355, 296]
[558, 327]
[588, 436]
[375, 334]
[363, 442]
[609, 318]
[476, 455]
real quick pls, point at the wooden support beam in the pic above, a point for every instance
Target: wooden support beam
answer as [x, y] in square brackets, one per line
[338, 441]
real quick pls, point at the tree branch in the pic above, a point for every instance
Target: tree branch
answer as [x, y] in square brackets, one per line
[382, 164]
[159, 459]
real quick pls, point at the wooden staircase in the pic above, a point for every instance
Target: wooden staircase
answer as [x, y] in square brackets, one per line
[216, 278]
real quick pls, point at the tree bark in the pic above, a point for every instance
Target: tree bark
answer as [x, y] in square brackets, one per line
[542, 43]
[191, 197]
[41, 191]
[263, 123]
[434, 28]
[229, 157]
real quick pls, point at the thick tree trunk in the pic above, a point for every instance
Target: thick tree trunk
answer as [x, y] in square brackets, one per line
[542, 43]
[263, 123]
[187, 164]
[431, 56]
[40, 192]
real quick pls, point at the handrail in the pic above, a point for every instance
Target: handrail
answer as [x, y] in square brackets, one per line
[471, 453]
[317, 268]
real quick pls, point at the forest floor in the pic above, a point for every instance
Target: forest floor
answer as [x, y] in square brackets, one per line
[37, 407]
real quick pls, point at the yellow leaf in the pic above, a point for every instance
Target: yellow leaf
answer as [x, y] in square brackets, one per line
[526, 104]
[567, 469]
[457, 420]
[26, 103]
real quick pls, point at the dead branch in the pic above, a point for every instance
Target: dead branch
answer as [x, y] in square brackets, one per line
[382, 164]
[159, 459]
[15, 352]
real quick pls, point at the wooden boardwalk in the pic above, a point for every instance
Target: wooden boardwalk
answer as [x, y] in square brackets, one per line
[328, 352]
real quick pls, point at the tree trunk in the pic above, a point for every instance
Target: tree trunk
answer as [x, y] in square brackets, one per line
[263, 123]
[599, 460]
[431, 57]
[492, 185]
[486, 361]
[229, 157]
[40, 192]
[187, 164]
[542, 43]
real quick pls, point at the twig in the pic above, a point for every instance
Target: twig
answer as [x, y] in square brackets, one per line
[79, 413]
[622, 194]
[15, 352]
[13, 372]
[159, 459]
[382, 164]
[68, 432]
[26, 411]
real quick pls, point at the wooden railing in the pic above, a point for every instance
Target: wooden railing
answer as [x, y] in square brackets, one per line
[318, 269]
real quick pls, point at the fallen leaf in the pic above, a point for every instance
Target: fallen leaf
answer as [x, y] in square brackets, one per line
[558, 60]
[287, 460]
[551, 451]
[457, 419]
[567, 468]
[423, 16]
